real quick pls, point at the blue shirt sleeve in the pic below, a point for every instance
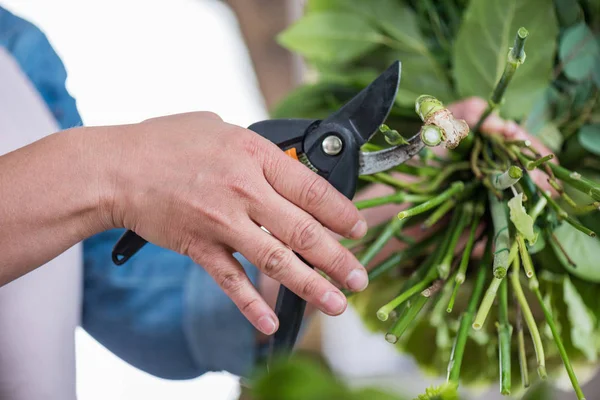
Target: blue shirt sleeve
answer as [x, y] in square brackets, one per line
[164, 314]
[160, 312]
[38, 60]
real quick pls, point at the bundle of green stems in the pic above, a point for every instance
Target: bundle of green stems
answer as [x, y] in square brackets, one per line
[466, 193]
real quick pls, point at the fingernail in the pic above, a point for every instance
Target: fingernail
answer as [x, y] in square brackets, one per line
[267, 325]
[358, 230]
[357, 280]
[333, 302]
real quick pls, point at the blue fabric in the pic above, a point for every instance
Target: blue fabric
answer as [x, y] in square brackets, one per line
[160, 312]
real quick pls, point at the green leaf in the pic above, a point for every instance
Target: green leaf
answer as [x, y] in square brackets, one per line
[399, 24]
[579, 52]
[583, 250]
[589, 138]
[551, 137]
[581, 320]
[313, 101]
[331, 37]
[481, 48]
[519, 217]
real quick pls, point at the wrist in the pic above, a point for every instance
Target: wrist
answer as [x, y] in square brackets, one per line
[98, 149]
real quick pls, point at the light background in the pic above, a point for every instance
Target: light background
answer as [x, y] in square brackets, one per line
[129, 60]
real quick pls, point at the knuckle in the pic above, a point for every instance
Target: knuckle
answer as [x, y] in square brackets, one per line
[232, 282]
[316, 192]
[310, 287]
[253, 146]
[241, 186]
[248, 305]
[210, 115]
[306, 236]
[338, 262]
[275, 260]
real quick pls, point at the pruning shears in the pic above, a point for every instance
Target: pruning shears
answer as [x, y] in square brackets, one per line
[332, 149]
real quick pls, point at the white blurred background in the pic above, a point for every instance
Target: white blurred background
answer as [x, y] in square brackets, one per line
[130, 60]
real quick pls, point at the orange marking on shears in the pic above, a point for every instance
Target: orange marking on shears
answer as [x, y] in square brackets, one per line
[292, 153]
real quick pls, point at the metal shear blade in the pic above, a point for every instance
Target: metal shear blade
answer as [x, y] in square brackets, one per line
[382, 160]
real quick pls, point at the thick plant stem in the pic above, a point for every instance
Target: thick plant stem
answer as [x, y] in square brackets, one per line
[576, 181]
[467, 318]
[538, 208]
[529, 319]
[457, 226]
[516, 57]
[527, 264]
[560, 345]
[501, 239]
[531, 165]
[439, 213]
[504, 339]
[406, 318]
[390, 229]
[474, 157]
[564, 216]
[490, 295]
[508, 178]
[454, 189]
[400, 197]
[384, 312]
[464, 261]
[522, 352]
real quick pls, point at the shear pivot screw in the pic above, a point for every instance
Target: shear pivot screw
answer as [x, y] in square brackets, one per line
[332, 145]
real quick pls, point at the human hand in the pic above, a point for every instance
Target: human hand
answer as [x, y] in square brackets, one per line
[202, 187]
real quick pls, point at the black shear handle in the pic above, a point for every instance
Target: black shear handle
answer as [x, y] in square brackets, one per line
[128, 244]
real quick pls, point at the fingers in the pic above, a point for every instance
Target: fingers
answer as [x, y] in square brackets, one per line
[314, 194]
[232, 278]
[279, 262]
[308, 237]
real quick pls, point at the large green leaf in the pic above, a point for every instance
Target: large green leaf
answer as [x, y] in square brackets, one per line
[583, 250]
[480, 51]
[335, 37]
[579, 52]
[397, 22]
[313, 101]
[581, 320]
[589, 138]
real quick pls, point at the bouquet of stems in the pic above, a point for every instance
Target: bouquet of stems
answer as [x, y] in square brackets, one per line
[529, 302]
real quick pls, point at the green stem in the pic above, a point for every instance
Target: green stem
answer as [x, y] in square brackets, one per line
[384, 312]
[529, 319]
[516, 57]
[467, 318]
[508, 178]
[576, 181]
[501, 238]
[538, 208]
[504, 338]
[464, 261]
[488, 298]
[475, 157]
[406, 318]
[456, 228]
[564, 216]
[527, 264]
[531, 165]
[454, 189]
[439, 213]
[440, 178]
[392, 227]
[560, 345]
[382, 177]
[399, 197]
[522, 352]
